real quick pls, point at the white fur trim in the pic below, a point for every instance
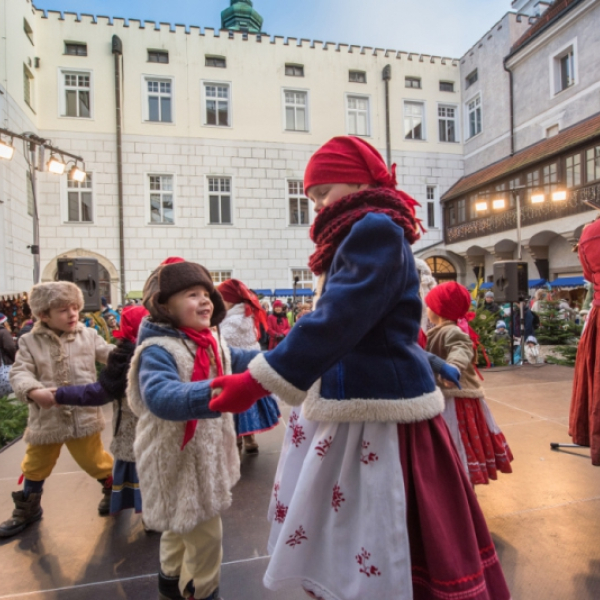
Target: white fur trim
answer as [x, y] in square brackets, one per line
[271, 380]
[357, 410]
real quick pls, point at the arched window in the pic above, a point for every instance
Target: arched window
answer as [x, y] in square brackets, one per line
[441, 268]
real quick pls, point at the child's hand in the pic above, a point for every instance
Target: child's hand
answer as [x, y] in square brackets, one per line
[235, 393]
[452, 376]
[44, 398]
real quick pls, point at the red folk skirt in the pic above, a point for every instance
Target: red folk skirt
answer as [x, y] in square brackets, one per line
[584, 418]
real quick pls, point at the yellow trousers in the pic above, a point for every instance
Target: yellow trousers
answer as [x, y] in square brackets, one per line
[88, 452]
[195, 556]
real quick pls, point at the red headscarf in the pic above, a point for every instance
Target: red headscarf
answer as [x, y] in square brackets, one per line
[449, 300]
[452, 301]
[236, 292]
[347, 159]
[131, 319]
[172, 260]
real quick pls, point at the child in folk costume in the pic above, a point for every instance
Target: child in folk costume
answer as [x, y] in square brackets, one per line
[58, 351]
[110, 387]
[480, 443]
[370, 498]
[185, 453]
[278, 325]
[241, 329]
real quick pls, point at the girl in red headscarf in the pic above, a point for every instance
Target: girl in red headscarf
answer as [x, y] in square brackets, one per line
[111, 386]
[241, 328]
[370, 498]
[480, 443]
[278, 325]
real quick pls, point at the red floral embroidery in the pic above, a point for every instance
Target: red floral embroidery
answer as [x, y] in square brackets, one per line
[280, 508]
[293, 420]
[323, 446]
[280, 512]
[363, 560]
[298, 436]
[367, 457]
[297, 538]
[338, 498]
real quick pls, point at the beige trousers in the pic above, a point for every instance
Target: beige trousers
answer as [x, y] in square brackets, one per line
[195, 556]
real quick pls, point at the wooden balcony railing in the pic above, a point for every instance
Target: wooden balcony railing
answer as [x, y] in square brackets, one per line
[578, 201]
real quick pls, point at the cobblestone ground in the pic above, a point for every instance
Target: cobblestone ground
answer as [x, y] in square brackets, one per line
[543, 517]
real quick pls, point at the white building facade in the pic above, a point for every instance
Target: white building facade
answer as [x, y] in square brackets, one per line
[551, 142]
[217, 130]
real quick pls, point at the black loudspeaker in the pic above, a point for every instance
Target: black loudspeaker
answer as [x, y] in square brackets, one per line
[84, 273]
[511, 281]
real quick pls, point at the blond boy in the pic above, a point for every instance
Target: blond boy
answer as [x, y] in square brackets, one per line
[58, 351]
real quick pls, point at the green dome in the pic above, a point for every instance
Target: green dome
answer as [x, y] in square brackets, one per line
[240, 16]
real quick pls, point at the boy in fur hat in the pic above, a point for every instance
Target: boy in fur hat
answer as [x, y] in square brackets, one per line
[58, 351]
[186, 454]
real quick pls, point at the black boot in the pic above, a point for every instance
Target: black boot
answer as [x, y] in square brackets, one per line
[104, 506]
[26, 511]
[168, 587]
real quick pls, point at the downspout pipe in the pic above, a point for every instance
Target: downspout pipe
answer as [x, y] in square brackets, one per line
[117, 50]
[387, 75]
[511, 107]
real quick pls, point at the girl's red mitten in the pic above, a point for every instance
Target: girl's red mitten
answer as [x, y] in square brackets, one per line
[235, 393]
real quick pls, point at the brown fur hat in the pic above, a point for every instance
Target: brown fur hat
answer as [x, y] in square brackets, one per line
[170, 279]
[53, 294]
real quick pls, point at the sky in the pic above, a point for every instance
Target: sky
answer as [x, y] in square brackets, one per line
[438, 27]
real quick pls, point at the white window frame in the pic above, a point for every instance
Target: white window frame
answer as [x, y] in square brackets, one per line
[221, 271]
[27, 74]
[62, 99]
[436, 207]
[148, 191]
[468, 135]
[64, 203]
[299, 287]
[456, 108]
[288, 196]
[145, 98]
[229, 84]
[554, 65]
[207, 198]
[306, 109]
[366, 97]
[423, 122]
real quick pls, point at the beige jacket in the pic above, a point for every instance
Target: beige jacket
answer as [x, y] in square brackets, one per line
[449, 342]
[182, 488]
[45, 360]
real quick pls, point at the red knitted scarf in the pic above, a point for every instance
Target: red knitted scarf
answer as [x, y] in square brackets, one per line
[333, 223]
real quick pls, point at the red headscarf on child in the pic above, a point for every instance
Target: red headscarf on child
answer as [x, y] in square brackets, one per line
[236, 292]
[347, 159]
[131, 319]
[452, 301]
[350, 160]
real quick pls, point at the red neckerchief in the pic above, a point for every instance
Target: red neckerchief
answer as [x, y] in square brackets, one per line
[203, 339]
[333, 223]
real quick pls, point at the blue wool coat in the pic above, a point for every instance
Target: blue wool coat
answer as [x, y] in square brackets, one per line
[356, 356]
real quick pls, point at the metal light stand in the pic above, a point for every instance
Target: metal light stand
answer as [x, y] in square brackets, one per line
[517, 197]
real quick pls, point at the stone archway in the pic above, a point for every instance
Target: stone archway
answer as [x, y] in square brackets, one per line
[109, 276]
[441, 268]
